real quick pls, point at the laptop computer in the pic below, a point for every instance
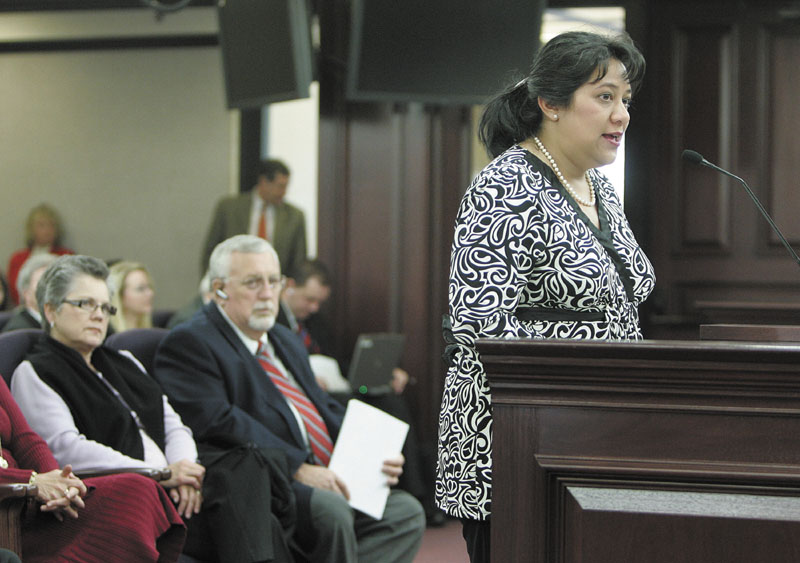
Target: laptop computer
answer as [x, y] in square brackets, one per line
[374, 357]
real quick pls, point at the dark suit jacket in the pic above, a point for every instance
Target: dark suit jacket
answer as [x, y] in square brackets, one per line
[21, 319]
[186, 312]
[219, 389]
[317, 328]
[232, 217]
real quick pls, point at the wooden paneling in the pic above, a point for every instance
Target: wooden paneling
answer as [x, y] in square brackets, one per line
[783, 171]
[648, 451]
[373, 157]
[751, 312]
[702, 110]
[391, 177]
[748, 332]
[671, 526]
[724, 88]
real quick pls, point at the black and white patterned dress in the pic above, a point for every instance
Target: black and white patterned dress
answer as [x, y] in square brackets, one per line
[526, 262]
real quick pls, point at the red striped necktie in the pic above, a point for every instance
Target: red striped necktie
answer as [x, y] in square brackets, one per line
[318, 437]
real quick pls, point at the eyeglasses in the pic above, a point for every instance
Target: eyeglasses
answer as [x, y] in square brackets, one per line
[90, 306]
[257, 283]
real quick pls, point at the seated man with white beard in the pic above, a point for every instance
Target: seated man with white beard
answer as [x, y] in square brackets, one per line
[230, 371]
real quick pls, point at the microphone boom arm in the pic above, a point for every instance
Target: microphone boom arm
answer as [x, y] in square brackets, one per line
[695, 158]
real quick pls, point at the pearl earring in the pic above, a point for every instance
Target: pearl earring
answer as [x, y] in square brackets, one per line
[555, 116]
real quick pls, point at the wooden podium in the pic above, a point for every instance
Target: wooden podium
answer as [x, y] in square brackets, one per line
[654, 451]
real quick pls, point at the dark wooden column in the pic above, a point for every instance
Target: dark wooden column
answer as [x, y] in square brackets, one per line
[391, 176]
[249, 147]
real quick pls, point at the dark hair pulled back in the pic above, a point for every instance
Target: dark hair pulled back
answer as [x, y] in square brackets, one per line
[561, 66]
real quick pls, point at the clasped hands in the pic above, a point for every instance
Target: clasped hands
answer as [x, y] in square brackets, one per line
[323, 478]
[60, 492]
[185, 486]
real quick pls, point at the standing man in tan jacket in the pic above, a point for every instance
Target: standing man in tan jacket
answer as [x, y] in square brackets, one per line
[262, 212]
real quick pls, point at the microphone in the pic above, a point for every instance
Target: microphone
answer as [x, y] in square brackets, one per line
[696, 158]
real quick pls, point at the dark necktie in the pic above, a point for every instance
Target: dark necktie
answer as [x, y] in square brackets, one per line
[308, 342]
[318, 437]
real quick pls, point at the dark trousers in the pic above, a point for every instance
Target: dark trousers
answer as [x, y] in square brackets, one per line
[332, 532]
[248, 508]
[477, 534]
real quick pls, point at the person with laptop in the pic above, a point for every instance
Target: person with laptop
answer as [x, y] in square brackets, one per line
[232, 371]
[301, 300]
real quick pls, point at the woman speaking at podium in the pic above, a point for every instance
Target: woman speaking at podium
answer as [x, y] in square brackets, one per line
[542, 248]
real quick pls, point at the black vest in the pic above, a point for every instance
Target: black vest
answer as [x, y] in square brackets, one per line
[97, 412]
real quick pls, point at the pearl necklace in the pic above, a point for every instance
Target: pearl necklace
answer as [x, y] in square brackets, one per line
[564, 183]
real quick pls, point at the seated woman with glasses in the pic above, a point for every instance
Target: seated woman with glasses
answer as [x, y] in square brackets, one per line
[119, 518]
[96, 408]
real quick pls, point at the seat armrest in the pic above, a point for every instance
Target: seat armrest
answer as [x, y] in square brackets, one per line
[10, 491]
[151, 472]
[15, 498]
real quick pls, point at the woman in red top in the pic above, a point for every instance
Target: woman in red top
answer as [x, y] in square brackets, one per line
[119, 518]
[42, 234]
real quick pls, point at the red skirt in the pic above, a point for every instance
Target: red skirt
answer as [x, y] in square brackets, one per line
[128, 518]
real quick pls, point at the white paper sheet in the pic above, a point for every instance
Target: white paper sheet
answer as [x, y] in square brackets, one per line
[368, 437]
[327, 369]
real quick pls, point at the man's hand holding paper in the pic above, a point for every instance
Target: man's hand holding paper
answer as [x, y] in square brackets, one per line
[366, 456]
